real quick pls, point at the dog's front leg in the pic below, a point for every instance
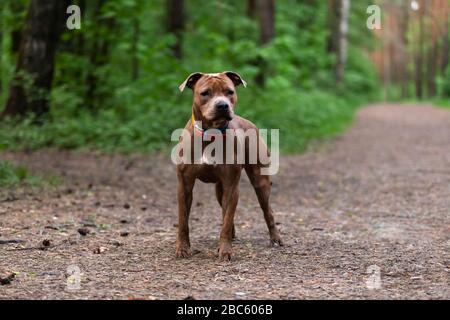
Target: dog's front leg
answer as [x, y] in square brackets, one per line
[229, 203]
[184, 195]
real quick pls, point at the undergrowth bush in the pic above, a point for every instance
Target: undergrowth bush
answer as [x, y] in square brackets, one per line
[11, 175]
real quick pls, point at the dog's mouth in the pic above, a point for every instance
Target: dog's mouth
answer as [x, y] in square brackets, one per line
[220, 123]
[221, 119]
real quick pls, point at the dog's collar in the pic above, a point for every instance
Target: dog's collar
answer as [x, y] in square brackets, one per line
[204, 132]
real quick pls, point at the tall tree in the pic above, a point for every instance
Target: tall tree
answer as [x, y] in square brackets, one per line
[333, 25]
[404, 26]
[175, 25]
[266, 20]
[341, 61]
[446, 39]
[104, 28]
[266, 17]
[80, 39]
[431, 69]
[251, 8]
[436, 25]
[421, 51]
[386, 47]
[34, 72]
[2, 6]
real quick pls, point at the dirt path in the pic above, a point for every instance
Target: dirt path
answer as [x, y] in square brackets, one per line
[377, 198]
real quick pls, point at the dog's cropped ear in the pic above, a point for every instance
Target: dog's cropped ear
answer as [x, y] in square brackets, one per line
[190, 81]
[236, 78]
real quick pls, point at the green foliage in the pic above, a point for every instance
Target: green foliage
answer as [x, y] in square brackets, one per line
[301, 117]
[11, 175]
[129, 115]
[360, 76]
[443, 84]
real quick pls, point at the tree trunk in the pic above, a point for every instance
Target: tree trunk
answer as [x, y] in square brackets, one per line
[2, 27]
[431, 76]
[91, 78]
[446, 46]
[420, 54]
[386, 44]
[79, 43]
[404, 38]
[35, 66]
[251, 9]
[266, 17]
[342, 53]
[175, 25]
[80, 35]
[99, 52]
[333, 26]
[267, 20]
[434, 25]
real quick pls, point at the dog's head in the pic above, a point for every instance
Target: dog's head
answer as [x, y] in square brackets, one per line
[214, 96]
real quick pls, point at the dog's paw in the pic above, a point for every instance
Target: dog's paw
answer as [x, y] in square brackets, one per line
[276, 240]
[225, 252]
[183, 252]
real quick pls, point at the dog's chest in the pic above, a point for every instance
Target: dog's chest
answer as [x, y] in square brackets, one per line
[208, 173]
[208, 160]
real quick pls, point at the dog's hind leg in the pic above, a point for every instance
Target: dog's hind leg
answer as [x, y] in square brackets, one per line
[262, 186]
[219, 196]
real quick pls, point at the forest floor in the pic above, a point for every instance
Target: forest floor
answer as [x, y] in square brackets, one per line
[375, 199]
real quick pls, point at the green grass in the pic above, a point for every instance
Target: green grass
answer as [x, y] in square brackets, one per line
[442, 103]
[438, 102]
[13, 176]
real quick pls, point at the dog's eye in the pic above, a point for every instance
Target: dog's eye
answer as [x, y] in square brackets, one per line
[205, 93]
[230, 92]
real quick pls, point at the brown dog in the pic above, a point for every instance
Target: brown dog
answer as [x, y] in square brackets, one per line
[214, 101]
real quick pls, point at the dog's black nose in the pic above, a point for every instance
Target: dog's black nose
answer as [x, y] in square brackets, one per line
[222, 106]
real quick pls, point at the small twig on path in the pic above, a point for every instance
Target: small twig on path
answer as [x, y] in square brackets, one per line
[41, 247]
[8, 241]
